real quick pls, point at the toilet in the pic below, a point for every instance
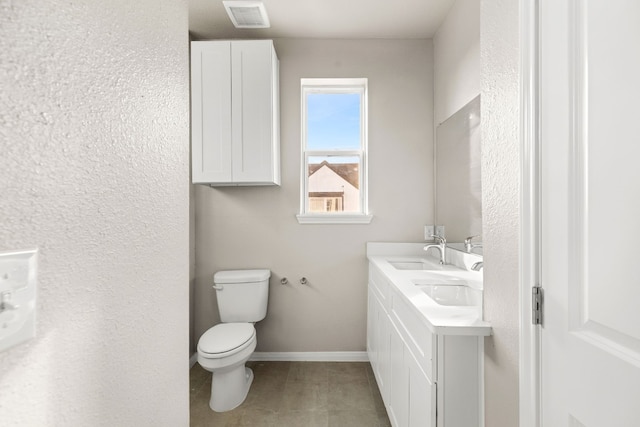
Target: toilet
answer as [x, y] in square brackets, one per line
[225, 348]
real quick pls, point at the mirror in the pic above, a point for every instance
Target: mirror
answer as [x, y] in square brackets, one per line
[458, 181]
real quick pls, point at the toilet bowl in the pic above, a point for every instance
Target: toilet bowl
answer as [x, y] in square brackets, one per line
[224, 349]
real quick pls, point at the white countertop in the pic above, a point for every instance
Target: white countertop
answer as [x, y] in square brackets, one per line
[441, 319]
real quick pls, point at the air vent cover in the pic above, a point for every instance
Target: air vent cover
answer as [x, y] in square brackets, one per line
[247, 14]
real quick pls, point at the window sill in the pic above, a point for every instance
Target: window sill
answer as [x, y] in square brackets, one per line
[334, 219]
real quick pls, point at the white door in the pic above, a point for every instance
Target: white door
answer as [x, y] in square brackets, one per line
[590, 212]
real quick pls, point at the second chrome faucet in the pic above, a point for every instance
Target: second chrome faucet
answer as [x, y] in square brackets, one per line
[468, 245]
[441, 245]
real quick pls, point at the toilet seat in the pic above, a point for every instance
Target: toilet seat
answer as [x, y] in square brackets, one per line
[226, 339]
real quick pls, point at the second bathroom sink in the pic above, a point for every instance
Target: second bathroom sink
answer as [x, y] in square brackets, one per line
[451, 295]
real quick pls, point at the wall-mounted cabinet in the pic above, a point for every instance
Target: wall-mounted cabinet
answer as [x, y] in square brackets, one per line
[235, 122]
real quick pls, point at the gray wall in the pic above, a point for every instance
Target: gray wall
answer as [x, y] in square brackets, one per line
[500, 206]
[94, 172]
[256, 227]
[456, 52]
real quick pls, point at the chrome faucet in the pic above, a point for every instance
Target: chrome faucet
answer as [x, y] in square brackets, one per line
[477, 266]
[442, 243]
[469, 246]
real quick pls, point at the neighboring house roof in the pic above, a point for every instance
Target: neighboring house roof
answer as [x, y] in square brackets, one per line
[347, 171]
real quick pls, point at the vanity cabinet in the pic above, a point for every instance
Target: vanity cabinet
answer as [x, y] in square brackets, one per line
[235, 131]
[425, 379]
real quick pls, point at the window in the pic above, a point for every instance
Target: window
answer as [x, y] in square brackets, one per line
[334, 151]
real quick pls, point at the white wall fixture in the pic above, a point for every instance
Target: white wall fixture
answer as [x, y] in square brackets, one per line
[247, 14]
[428, 232]
[17, 297]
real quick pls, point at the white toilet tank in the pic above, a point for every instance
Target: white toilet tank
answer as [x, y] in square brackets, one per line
[242, 294]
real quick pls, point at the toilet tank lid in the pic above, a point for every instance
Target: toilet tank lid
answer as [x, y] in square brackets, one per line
[241, 276]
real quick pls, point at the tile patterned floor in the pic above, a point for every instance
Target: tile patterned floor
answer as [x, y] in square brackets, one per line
[296, 394]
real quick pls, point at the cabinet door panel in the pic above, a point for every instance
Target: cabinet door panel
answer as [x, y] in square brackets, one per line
[252, 110]
[383, 339]
[372, 326]
[399, 399]
[422, 395]
[211, 111]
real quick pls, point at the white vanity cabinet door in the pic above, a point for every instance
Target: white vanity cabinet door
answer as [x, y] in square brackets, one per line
[235, 113]
[378, 341]
[422, 395]
[383, 373]
[398, 407]
[372, 328]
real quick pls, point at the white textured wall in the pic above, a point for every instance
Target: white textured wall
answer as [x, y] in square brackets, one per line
[500, 205]
[256, 226]
[456, 47]
[94, 172]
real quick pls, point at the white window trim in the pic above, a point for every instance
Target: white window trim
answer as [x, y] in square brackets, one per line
[346, 85]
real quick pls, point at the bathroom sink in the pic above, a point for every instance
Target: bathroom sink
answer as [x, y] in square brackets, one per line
[450, 294]
[408, 265]
[434, 278]
[411, 265]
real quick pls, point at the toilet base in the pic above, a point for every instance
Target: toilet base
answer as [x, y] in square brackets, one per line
[229, 389]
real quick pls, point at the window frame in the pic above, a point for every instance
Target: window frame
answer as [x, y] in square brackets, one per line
[335, 85]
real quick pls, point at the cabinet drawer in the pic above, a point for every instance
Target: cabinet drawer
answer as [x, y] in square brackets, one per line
[419, 340]
[379, 286]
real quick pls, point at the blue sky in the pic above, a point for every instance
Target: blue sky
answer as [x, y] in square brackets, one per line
[333, 121]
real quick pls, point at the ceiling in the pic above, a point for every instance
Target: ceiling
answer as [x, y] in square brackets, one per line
[342, 19]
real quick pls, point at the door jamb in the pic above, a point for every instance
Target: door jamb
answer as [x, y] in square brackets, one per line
[530, 348]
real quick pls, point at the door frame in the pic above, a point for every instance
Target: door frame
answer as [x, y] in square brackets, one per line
[530, 372]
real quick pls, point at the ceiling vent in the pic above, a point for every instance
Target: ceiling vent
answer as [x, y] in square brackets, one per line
[247, 14]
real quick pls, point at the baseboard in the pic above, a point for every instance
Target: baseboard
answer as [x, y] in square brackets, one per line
[302, 356]
[311, 356]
